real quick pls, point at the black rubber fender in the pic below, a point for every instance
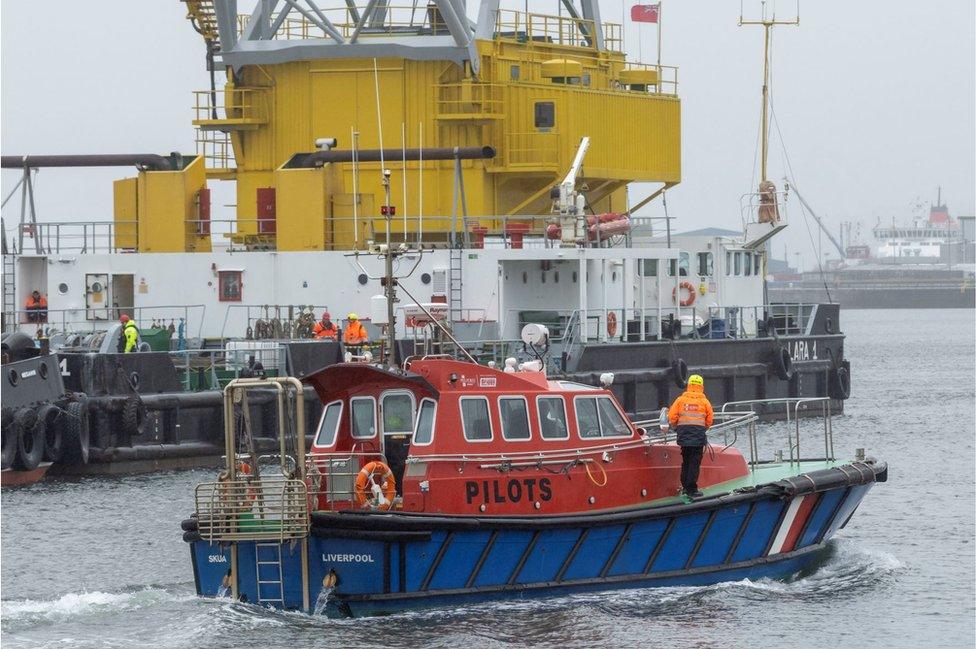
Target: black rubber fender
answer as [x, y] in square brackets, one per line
[192, 536]
[10, 439]
[783, 364]
[189, 525]
[49, 418]
[679, 372]
[76, 433]
[839, 383]
[30, 440]
[133, 416]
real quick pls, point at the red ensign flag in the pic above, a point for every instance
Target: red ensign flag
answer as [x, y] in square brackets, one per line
[645, 13]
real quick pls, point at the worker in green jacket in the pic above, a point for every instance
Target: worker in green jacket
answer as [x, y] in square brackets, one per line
[129, 340]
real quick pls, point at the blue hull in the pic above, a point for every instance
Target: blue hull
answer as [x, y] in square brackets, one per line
[389, 563]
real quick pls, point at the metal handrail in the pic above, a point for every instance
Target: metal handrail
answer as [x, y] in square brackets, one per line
[797, 403]
[278, 508]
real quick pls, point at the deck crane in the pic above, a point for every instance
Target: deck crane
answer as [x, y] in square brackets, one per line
[840, 249]
[571, 203]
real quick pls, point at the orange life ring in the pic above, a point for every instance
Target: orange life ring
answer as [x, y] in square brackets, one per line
[366, 478]
[612, 324]
[688, 286]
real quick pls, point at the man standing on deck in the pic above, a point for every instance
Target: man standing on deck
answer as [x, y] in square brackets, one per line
[691, 416]
[355, 334]
[128, 335]
[36, 307]
[326, 329]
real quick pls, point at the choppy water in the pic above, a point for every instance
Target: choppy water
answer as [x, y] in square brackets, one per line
[99, 562]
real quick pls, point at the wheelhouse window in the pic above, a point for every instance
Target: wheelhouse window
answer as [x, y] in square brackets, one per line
[515, 418]
[728, 264]
[424, 433]
[680, 265]
[705, 265]
[329, 424]
[737, 264]
[648, 268]
[599, 417]
[757, 261]
[747, 266]
[229, 285]
[362, 417]
[475, 419]
[397, 413]
[552, 418]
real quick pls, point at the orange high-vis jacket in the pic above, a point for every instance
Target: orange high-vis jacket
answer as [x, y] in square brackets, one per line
[321, 331]
[692, 408]
[355, 333]
[40, 303]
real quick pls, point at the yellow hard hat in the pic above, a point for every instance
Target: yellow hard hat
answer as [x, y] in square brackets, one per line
[696, 379]
[352, 316]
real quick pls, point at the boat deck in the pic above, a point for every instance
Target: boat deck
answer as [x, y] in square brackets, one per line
[761, 474]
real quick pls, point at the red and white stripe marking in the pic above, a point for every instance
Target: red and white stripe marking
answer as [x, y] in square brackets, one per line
[797, 514]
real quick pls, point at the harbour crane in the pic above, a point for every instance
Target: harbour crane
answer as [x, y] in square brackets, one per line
[571, 203]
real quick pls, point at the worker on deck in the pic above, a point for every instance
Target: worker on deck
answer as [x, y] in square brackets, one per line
[691, 416]
[129, 336]
[355, 334]
[326, 329]
[36, 307]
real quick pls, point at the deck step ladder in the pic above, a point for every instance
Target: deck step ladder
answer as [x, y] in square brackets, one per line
[271, 589]
[9, 292]
[455, 284]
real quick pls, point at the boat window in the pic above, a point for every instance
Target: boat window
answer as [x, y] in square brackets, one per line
[424, 433]
[611, 423]
[682, 263]
[705, 266]
[648, 268]
[397, 413]
[738, 264]
[572, 386]
[475, 420]
[515, 418]
[748, 263]
[757, 261]
[728, 263]
[552, 417]
[329, 424]
[587, 419]
[229, 282]
[362, 417]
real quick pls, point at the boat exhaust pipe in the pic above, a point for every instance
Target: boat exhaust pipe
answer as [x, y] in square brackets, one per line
[150, 161]
[319, 158]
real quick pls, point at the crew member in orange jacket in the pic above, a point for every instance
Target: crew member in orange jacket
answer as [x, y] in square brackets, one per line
[691, 416]
[355, 334]
[326, 329]
[36, 307]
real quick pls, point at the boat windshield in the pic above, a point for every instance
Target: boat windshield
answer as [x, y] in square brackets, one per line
[329, 425]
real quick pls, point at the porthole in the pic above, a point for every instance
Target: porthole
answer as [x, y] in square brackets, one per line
[63, 288]
[425, 278]
[363, 279]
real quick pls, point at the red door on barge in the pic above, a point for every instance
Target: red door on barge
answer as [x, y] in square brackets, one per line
[461, 438]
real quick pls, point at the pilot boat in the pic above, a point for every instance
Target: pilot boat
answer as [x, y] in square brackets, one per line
[446, 481]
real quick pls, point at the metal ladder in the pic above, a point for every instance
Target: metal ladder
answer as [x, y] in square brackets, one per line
[9, 292]
[278, 583]
[455, 288]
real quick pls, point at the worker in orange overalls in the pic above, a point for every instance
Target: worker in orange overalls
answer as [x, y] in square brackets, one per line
[355, 334]
[691, 416]
[326, 329]
[36, 307]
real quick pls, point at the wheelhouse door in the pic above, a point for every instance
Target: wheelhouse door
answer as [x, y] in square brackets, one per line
[398, 409]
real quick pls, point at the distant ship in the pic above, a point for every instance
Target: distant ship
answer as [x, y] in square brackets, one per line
[927, 264]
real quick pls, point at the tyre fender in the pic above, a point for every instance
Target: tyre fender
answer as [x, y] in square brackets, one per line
[30, 440]
[49, 421]
[76, 437]
[783, 364]
[679, 371]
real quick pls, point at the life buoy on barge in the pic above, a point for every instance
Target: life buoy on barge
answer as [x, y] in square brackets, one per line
[376, 472]
[686, 286]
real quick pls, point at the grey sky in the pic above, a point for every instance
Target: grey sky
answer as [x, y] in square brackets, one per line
[876, 101]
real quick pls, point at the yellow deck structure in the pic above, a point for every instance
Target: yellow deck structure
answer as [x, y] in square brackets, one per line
[541, 84]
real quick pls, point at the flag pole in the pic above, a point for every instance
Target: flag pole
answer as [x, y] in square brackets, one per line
[659, 12]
